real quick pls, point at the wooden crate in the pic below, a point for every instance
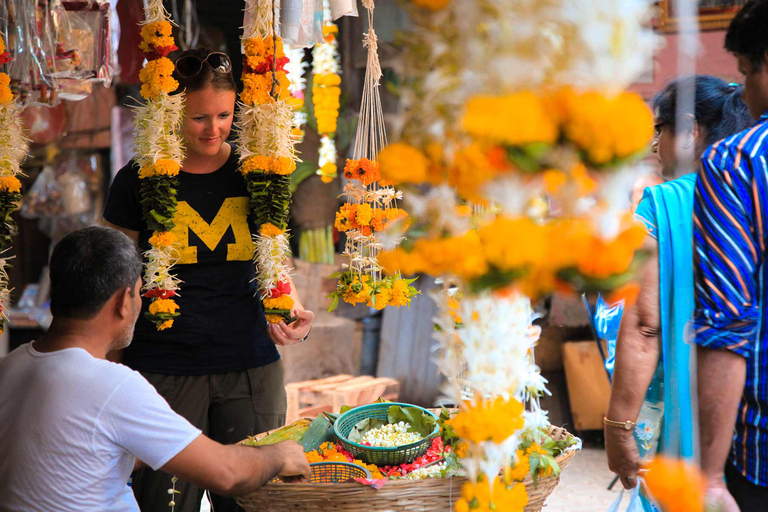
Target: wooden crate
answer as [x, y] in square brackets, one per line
[588, 386]
[309, 398]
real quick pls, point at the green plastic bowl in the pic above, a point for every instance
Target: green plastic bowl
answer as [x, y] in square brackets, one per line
[381, 456]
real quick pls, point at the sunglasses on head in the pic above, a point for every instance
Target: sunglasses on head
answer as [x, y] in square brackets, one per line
[190, 65]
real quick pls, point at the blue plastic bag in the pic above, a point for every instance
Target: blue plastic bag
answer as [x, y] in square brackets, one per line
[606, 321]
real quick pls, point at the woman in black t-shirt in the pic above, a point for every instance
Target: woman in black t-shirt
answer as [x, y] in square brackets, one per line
[218, 365]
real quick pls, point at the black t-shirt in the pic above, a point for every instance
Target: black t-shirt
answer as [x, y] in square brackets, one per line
[222, 326]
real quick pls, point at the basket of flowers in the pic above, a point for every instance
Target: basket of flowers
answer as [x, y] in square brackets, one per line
[431, 481]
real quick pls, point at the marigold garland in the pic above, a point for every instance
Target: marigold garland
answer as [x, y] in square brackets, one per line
[13, 150]
[325, 95]
[677, 486]
[267, 156]
[159, 154]
[482, 497]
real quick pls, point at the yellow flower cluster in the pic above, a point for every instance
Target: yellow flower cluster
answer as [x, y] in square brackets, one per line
[165, 325]
[365, 219]
[522, 467]
[606, 129]
[163, 306]
[460, 256]
[602, 259]
[163, 167]
[269, 229]
[260, 54]
[478, 497]
[156, 78]
[676, 485]
[513, 120]
[327, 172]
[281, 302]
[325, 98]
[6, 96]
[10, 184]
[388, 292]
[155, 36]
[488, 420]
[402, 163]
[266, 164]
[329, 32]
[471, 169]
[162, 239]
[327, 452]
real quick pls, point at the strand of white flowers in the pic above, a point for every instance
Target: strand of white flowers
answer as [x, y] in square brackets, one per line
[5, 292]
[13, 143]
[258, 21]
[266, 130]
[325, 60]
[157, 128]
[159, 261]
[154, 11]
[295, 69]
[269, 258]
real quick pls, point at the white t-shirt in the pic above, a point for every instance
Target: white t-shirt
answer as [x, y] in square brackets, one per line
[70, 427]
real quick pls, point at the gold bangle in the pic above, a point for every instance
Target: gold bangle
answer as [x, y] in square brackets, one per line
[626, 425]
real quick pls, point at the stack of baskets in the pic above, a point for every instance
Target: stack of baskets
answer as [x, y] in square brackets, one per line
[430, 494]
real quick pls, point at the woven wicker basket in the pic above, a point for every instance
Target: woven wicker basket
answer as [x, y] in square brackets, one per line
[430, 494]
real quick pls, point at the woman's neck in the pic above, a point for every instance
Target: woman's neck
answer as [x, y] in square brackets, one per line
[195, 163]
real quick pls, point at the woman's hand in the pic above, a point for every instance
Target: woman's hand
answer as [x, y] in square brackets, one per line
[293, 333]
[623, 456]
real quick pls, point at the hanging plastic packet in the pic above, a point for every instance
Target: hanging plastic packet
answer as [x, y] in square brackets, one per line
[341, 8]
[607, 320]
[32, 46]
[301, 22]
[83, 46]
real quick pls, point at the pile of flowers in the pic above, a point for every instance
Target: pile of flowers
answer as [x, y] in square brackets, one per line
[266, 143]
[370, 211]
[325, 94]
[159, 154]
[13, 149]
[437, 451]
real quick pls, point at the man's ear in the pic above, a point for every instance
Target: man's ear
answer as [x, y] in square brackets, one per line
[123, 304]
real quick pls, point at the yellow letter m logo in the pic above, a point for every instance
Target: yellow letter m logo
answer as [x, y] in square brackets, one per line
[233, 212]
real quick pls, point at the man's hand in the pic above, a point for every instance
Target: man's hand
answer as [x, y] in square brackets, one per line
[718, 498]
[282, 334]
[623, 456]
[293, 458]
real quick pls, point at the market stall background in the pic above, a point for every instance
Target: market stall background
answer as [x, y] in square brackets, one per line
[76, 146]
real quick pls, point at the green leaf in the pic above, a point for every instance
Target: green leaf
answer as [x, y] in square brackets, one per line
[420, 421]
[362, 427]
[534, 467]
[334, 303]
[318, 432]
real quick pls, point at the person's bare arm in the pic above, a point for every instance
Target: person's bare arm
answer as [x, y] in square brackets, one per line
[236, 470]
[721, 377]
[637, 356]
[133, 235]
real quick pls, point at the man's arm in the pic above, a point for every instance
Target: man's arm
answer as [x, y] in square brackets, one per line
[637, 356]
[236, 470]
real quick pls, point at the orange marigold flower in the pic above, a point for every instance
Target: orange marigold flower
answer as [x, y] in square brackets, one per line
[281, 302]
[256, 89]
[10, 184]
[283, 165]
[156, 78]
[269, 229]
[402, 163]
[488, 420]
[163, 306]
[162, 239]
[677, 485]
[352, 169]
[274, 319]
[364, 214]
[369, 171]
[256, 163]
[165, 325]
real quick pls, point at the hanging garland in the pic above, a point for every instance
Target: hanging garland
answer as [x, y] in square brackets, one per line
[325, 95]
[267, 156]
[13, 149]
[295, 71]
[159, 153]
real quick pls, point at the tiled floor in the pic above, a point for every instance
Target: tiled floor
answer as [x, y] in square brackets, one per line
[584, 485]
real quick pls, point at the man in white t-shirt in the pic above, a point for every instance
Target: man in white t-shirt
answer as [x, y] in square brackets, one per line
[73, 425]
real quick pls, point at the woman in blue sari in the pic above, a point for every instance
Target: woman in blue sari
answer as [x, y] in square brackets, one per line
[650, 407]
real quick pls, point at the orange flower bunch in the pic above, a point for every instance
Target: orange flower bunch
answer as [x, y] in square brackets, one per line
[676, 485]
[156, 78]
[262, 57]
[10, 184]
[268, 165]
[361, 289]
[478, 497]
[602, 259]
[325, 98]
[329, 452]
[157, 40]
[6, 96]
[367, 171]
[488, 420]
[163, 167]
[362, 216]
[329, 32]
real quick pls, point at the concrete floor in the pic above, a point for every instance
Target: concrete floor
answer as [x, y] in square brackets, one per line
[584, 484]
